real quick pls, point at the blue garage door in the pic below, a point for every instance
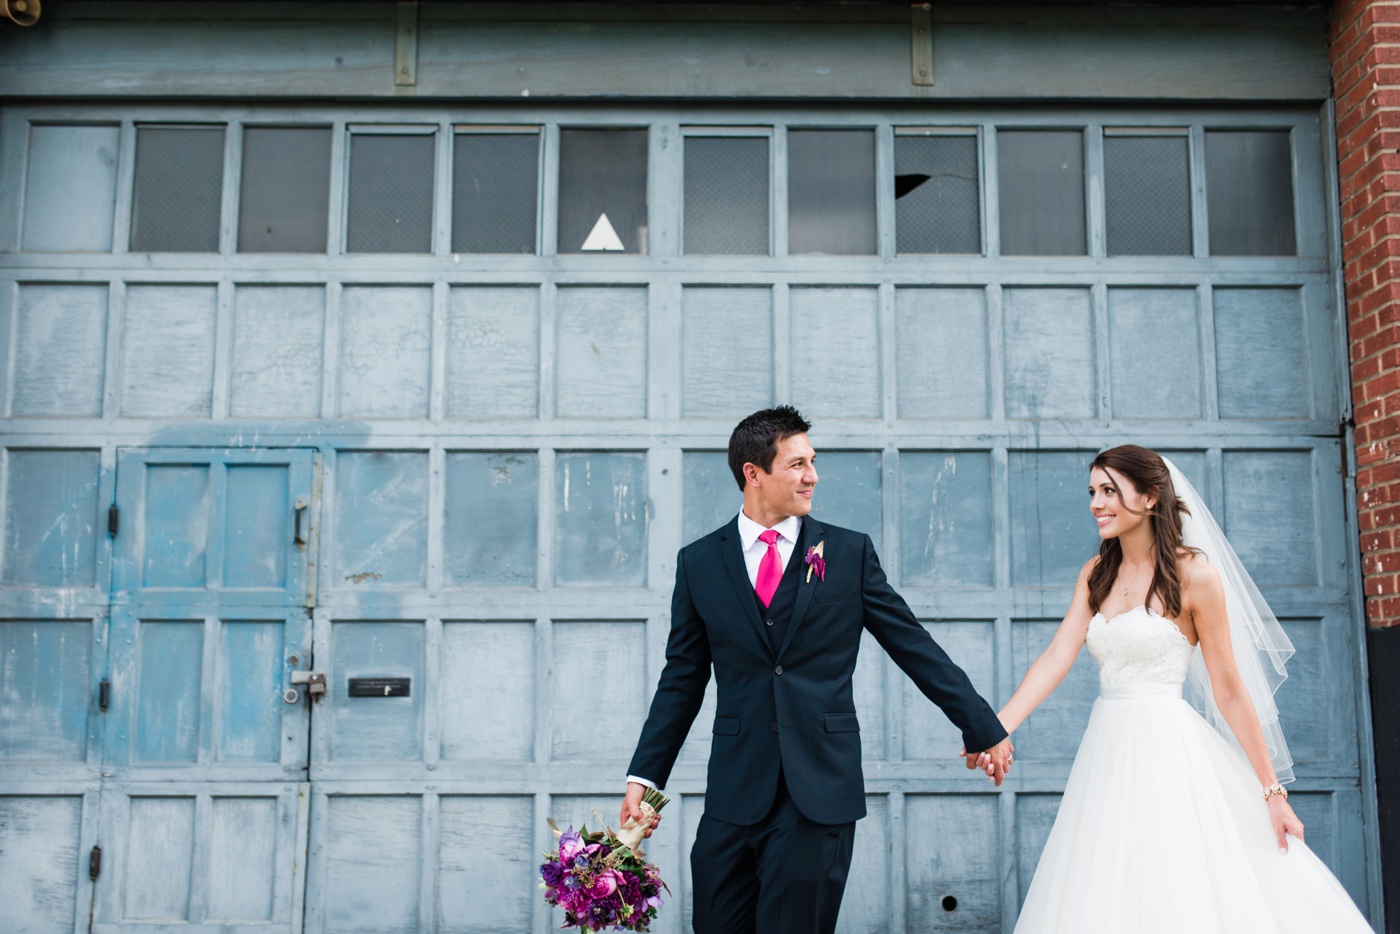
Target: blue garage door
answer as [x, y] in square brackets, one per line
[425, 400]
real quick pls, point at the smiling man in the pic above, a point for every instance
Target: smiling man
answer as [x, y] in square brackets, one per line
[775, 601]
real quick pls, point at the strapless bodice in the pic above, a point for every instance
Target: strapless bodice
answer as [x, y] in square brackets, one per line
[1140, 653]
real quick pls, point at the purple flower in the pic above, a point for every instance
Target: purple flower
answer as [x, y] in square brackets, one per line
[816, 562]
[570, 845]
[552, 873]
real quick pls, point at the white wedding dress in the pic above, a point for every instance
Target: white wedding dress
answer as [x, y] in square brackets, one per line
[1162, 827]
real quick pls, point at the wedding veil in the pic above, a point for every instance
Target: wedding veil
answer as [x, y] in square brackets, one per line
[1260, 645]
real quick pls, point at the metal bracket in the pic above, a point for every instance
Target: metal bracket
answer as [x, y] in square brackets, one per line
[921, 43]
[315, 682]
[406, 44]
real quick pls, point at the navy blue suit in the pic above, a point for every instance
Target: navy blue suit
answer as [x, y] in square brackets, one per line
[785, 722]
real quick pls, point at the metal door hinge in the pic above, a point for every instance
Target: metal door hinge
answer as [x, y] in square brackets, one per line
[113, 520]
[104, 695]
[95, 863]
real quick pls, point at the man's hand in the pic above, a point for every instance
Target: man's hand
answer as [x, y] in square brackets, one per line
[632, 807]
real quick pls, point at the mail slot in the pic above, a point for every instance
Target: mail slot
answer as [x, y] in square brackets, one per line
[379, 687]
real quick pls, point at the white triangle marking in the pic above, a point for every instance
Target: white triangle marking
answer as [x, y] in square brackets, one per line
[603, 237]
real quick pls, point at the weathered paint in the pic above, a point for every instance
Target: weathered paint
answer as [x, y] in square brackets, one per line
[510, 451]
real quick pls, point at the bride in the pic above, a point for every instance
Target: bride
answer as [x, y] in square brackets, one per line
[1168, 825]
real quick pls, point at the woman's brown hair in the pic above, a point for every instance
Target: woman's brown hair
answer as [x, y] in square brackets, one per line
[1148, 474]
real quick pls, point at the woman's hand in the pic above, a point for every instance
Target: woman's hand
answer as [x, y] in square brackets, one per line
[1284, 821]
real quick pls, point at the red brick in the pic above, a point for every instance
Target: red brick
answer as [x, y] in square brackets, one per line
[1382, 385]
[1369, 412]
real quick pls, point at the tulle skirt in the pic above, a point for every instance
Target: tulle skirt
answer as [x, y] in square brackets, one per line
[1162, 829]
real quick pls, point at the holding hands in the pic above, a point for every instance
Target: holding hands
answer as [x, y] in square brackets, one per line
[996, 762]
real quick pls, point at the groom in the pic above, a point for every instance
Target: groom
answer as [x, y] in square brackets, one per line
[776, 603]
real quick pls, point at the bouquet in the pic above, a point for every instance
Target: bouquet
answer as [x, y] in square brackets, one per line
[602, 879]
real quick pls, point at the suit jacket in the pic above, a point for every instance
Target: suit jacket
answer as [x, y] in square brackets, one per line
[794, 710]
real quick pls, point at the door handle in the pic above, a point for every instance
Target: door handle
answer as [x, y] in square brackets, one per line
[299, 530]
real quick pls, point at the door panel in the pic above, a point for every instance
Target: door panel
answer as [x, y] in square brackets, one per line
[201, 857]
[202, 696]
[210, 528]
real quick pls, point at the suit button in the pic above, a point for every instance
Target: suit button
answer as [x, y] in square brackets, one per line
[767, 622]
[775, 728]
[778, 670]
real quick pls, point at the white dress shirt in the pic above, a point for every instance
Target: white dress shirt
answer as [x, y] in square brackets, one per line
[754, 550]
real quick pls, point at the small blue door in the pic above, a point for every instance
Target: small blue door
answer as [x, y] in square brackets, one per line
[205, 753]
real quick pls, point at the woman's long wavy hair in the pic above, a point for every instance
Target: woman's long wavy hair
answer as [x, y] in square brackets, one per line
[1148, 474]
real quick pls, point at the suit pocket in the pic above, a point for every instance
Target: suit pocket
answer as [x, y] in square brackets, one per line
[726, 726]
[834, 596]
[842, 723]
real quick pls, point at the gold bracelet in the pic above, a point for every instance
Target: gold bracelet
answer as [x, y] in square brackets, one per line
[1275, 789]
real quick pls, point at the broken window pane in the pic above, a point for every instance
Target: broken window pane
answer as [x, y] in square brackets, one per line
[937, 206]
[602, 191]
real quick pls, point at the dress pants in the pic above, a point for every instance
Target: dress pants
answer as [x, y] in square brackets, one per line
[783, 875]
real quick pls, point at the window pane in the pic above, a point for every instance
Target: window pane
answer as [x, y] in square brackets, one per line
[1147, 195]
[285, 193]
[937, 207]
[726, 195]
[1040, 174]
[71, 189]
[391, 193]
[602, 191]
[179, 188]
[1249, 193]
[831, 191]
[495, 191]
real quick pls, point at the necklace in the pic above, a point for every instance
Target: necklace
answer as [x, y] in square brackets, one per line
[1124, 583]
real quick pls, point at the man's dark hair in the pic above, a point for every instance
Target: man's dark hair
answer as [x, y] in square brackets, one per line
[755, 439]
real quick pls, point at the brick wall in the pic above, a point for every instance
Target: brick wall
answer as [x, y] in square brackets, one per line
[1365, 48]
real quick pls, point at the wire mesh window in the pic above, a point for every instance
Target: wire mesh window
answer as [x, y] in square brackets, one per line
[284, 195]
[726, 195]
[602, 191]
[495, 191]
[1147, 193]
[1040, 179]
[390, 196]
[1249, 193]
[178, 189]
[937, 193]
[831, 191]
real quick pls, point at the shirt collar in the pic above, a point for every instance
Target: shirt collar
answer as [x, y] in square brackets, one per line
[749, 530]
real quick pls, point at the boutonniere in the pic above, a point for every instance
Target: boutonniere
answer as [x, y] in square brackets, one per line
[815, 562]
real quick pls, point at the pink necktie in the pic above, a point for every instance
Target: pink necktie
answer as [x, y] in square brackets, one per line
[770, 569]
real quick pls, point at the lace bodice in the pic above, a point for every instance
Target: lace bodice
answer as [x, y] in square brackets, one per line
[1138, 648]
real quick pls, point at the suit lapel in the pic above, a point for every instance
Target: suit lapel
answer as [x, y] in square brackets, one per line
[731, 549]
[812, 531]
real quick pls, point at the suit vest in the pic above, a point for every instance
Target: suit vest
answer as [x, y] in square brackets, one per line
[778, 614]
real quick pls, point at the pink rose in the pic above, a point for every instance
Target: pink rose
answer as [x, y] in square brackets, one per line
[604, 884]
